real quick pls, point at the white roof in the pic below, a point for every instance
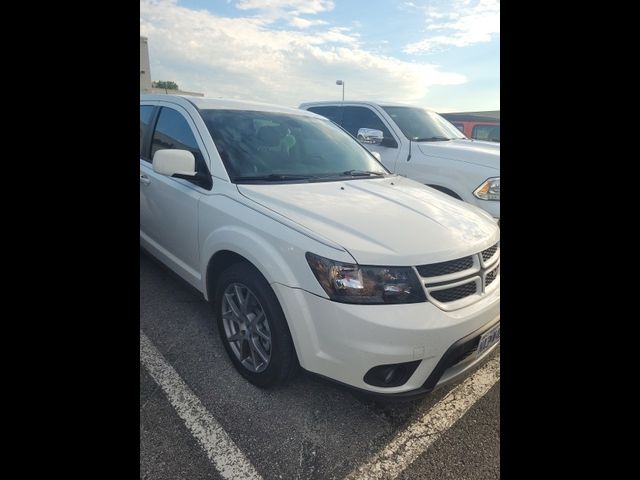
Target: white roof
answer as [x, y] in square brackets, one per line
[204, 103]
[358, 102]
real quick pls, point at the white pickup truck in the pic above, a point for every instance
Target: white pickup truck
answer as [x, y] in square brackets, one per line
[422, 145]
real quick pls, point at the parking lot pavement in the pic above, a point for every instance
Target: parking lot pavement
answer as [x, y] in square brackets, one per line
[167, 448]
[311, 428]
[470, 450]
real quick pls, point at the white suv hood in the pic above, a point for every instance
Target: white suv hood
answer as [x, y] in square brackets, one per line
[471, 151]
[388, 221]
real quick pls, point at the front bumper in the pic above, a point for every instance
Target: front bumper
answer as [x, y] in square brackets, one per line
[344, 341]
[454, 364]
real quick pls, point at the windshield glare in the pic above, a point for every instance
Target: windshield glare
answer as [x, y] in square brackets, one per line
[418, 124]
[255, 145]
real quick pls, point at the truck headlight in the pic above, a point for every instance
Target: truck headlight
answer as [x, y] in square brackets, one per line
[489, 190]
[352, 283]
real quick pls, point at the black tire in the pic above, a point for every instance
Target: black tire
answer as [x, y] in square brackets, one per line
[283, 362]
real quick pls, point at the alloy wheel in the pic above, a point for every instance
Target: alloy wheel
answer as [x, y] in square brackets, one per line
[246, 327]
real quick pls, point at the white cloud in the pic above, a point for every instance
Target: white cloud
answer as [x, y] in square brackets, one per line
[246, 58]
[295, 7]
[300, 22]
[460, 24]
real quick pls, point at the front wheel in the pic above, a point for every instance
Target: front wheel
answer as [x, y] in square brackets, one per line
[253, 328]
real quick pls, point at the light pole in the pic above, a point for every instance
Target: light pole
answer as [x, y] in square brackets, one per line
[340, 82]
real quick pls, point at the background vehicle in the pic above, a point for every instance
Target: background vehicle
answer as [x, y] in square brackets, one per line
[479, 127]
[422, 145]
[311, 251]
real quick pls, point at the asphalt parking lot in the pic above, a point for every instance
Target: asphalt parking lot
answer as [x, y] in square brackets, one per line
[196, 412]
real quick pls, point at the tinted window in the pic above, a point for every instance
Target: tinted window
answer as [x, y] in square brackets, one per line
[422, 125]
[459, 126]
[145, 118]
[173, 132]
[332, 113]
[490, 133]
[258, 144]
[355, 118]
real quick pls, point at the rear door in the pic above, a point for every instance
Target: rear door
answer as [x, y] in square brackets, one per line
[147, 115]
[332, 112]
[169, 206]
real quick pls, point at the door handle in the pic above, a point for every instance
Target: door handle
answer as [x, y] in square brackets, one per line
[144, 179]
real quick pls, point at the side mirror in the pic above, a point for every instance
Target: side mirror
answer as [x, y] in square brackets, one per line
[377, 155]
[178, 163]
[370, 136]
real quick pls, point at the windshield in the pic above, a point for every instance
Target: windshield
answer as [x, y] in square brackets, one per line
[269, 146]
[421, 125]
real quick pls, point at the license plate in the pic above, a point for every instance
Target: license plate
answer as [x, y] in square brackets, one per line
[488, 339]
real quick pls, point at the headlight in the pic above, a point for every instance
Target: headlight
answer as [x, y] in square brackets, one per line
[351, 283]
[489, 190]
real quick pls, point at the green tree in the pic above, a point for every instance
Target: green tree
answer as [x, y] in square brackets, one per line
[166, 84]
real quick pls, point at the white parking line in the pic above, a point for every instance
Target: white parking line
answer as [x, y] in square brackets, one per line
[422, 433]
[223, 453]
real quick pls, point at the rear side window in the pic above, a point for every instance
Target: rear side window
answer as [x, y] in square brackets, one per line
[145, 117]
[490, 133]
[355, 118]
[173, 132]
[332, 113]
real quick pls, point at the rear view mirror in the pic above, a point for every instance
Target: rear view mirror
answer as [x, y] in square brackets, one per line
[178, 163]
[370, 136]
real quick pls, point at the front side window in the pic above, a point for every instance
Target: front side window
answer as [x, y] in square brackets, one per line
[421, 125]
[355, 118]
[489, 133]
[173, 132]
[459, 126]
[258, 145]
[145, 117]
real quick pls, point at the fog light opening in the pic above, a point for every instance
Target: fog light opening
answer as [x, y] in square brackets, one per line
[393, 375]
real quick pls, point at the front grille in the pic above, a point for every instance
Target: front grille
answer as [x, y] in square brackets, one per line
[489, 252]
[478, 271]
[454, 293]
[445, 268]
[490, 277]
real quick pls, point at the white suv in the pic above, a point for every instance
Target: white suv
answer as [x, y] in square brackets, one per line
[312, 253]
[424, 146]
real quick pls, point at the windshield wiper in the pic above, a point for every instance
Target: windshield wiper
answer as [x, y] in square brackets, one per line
[361, 173]
[274, 177]
[431, 139]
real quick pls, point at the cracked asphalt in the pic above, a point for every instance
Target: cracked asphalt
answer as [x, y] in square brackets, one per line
[310, 429]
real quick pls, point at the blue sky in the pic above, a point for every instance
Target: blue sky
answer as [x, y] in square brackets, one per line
[443, 55]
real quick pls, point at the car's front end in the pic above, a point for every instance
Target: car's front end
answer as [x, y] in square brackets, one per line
[414, 300]
[386, 285]
[401, 349]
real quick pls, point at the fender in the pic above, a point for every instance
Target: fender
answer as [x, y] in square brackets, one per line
[277, 265]
[251, 246]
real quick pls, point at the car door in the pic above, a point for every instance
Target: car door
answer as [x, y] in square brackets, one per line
[169, 206]
[356, 117]
[147, 113]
